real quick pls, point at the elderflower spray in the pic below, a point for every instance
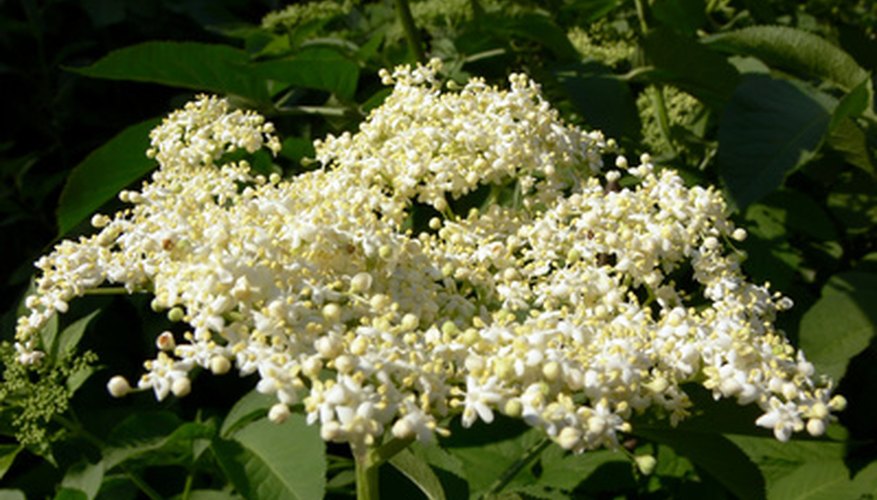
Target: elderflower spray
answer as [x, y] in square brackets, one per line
[574, 298]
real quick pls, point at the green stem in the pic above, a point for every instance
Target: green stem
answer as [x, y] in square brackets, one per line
[656, 95]
[367, 487]
[368, 462]
[506, 477]
[411, 32]
[641, 14]
[312, 110]
[187, 488]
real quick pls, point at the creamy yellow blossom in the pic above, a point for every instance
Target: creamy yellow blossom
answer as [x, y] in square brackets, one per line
[572, 304]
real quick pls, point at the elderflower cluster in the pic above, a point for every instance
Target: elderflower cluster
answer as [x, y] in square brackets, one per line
[572, 299]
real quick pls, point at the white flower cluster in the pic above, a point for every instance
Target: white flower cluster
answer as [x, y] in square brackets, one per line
[566, 300]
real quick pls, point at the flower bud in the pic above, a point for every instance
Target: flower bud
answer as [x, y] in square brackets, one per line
[165, 342]
[219, 365]
[361, 282]
[181, 387]
[402, 429]
[278, 413]
[118, 386]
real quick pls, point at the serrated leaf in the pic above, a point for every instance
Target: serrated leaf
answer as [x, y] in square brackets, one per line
[156, 438]
[268, 461]
[702, 73]
[716, 455]
[316, 68]
[838, 326]
[777, 459]
[191, 65]
[69, 338]
[252, 406]
[420, 473]
[144, 426]
[106, 171]
[8, 452]
[794, 50]
[769, 128]
[824, 480]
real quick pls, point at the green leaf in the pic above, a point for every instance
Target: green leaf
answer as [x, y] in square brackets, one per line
[70, 494]
[716, 455]
[564, 470]
[144, 426]
[79, 377]
[776, 459]
[825, 480]
[793, 50]
[268, 460]
[683, 16]
[614, 112]
[105, 172]
[8, 452]
[485, 462]
[839, 326]
[297, 148]
[254, 405]
[537, 28]
[420, 473]
[157, 438]
[315, 68]
[12, 495]
[49, 333]
[768, 129]
[69, 338]
[191, 65]
[587, 11]
[853, 202]
[784, 211]
[84, 477]
[702, 73]
[208, 495]
[848, 139]
[853, 104]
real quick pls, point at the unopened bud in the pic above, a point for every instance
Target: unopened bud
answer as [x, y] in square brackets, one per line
[118, 386]
[278, 413]
[361, 283]
[165, 341]
[181, 387]
[219, 365]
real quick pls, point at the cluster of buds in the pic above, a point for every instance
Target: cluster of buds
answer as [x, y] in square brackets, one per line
[574, 298]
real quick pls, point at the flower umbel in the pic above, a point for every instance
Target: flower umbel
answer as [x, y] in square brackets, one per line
[558, 301]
